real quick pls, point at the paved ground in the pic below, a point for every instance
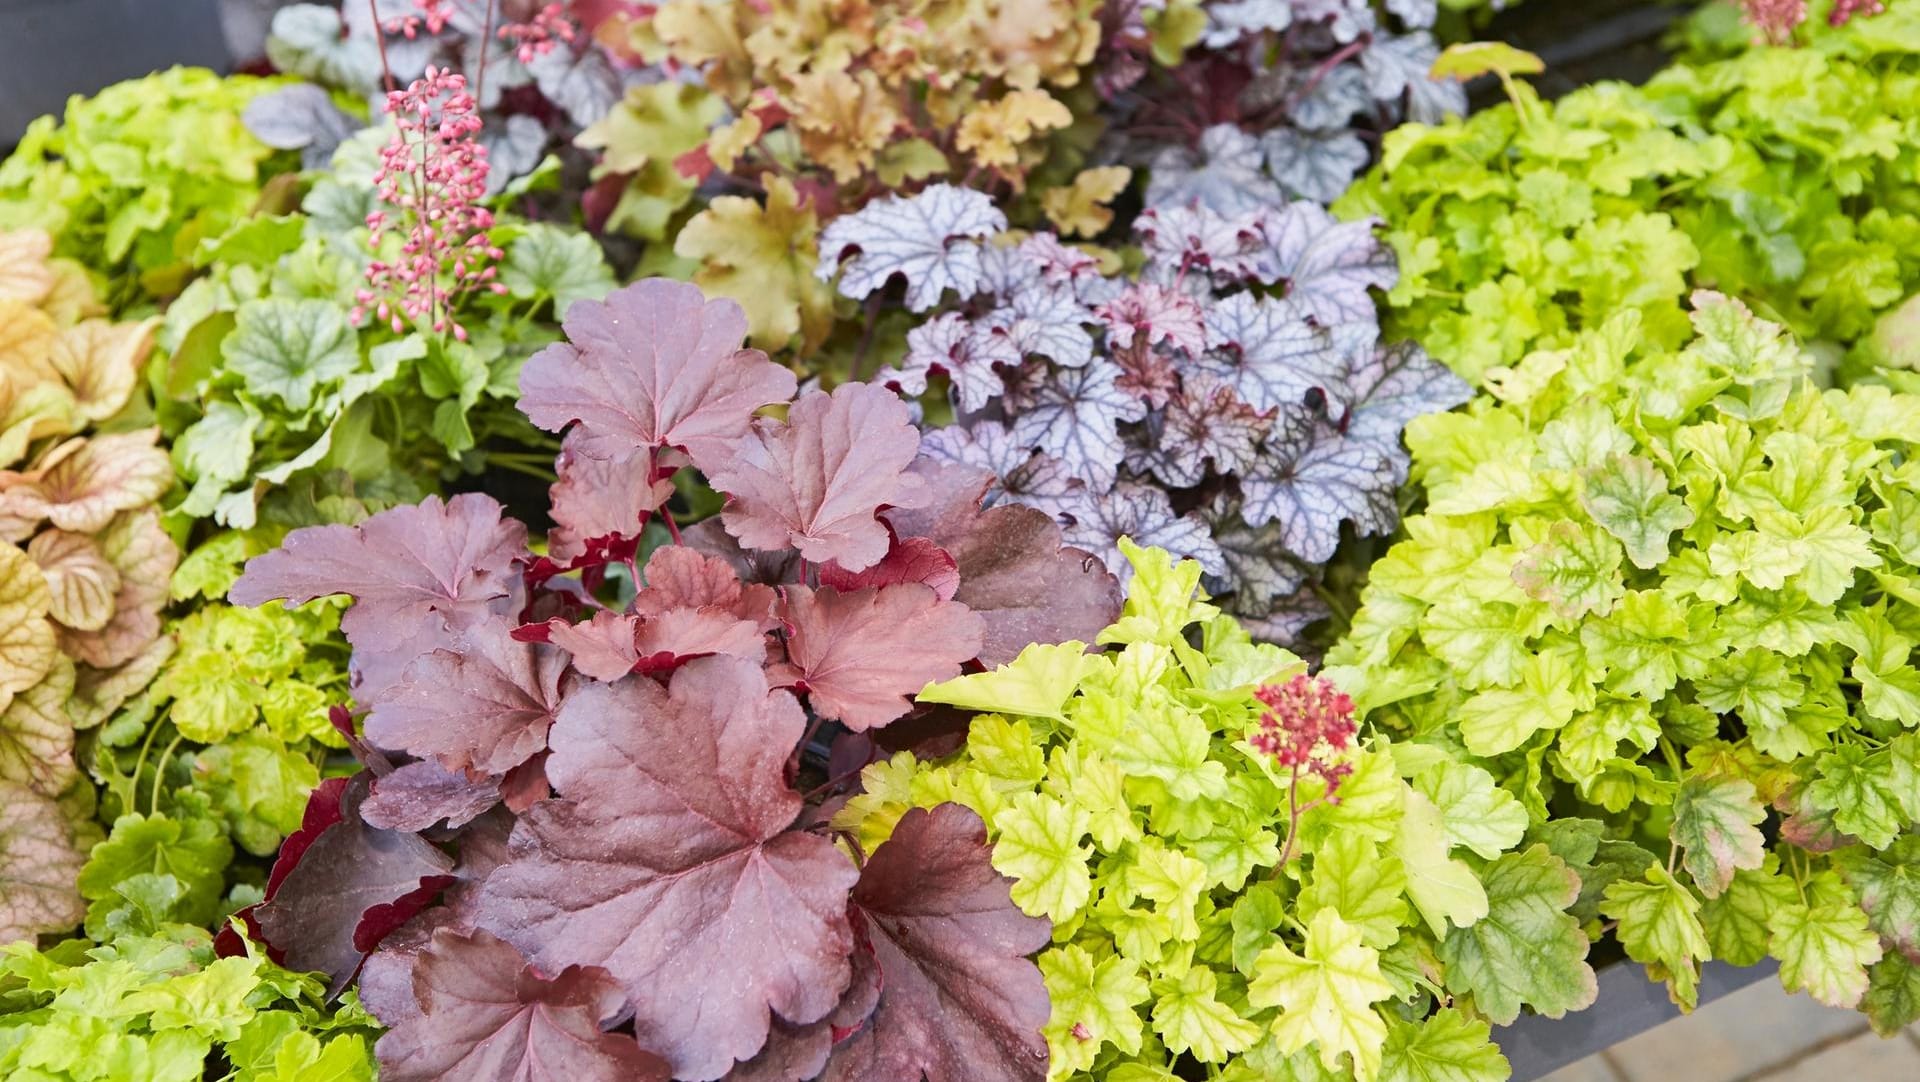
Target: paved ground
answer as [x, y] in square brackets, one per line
[1759, 1034]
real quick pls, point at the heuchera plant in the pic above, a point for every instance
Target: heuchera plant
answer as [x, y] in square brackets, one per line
[84, 564]
[1231, 402]
[1242, 887]
[1668, 598]
[582, 768]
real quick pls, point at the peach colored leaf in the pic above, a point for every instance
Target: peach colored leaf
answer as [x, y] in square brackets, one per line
[81, 581]
[862, 656]
[39, 867]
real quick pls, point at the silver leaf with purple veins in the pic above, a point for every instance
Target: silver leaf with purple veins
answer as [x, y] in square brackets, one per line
[1390, 387]
[1314, 165]
[1259, 569]
[1228, 249]
[1268, 354]
[1144, 514]
[1022, 475]
[1329, 265]
[1206, 422]
[1309, 487]
[1075, 415]
[1223, 174]
[932, 240]
[967, 353]
[1329, 101]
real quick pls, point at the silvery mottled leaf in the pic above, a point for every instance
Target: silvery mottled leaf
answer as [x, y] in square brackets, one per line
[311, 41]
[930, 239]
[1049, 321]
[1315, 481]
[1282, 620]
[301, 117]
[1391, 387]
[514, 148]
[1430, 101]
[1230, 249]
[1329, 264]
[1267, 353]
[1007, 270]
[583, 83]
[1342, 20]
[1332, 100]
[968, 354]
[1416, 14]
[1258, 568]
[1205, 423]
[1021, 474]
[1231, 20]
[1314, 165]
[1393, 62]
[1223, 174]
[1075, 416]
[1144, 514]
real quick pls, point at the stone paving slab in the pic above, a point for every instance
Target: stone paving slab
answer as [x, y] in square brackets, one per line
[1759, 1034]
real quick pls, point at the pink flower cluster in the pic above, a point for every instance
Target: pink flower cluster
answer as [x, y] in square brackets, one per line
[434, 174]
[433, 15]
[538, 35]
[1307, 724]
[1844, 10]
[1775, 20]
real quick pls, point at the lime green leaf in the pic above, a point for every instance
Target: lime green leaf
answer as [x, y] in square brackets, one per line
[1443, 889]
[290, 349]
[1094, 1004]
[1660, 927]
[1501, 719]
[1448, 1046]
[1628, 497]
[1575, 570]
[1038, 683]
[1189, 1016]
[1363, 883]
[1038, 845]
[1736, 921]
[1474, 811]
[1325, 995]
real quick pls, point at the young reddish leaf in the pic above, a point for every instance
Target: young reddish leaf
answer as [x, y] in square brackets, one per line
[418, 795]
[970, 357]
[960, 1000]
[484, 706]
[1191, 236]
[485, 1013]
[1157, 314]
[605, 500]
[406, 568]
[914, 559]
[654, 365]
[862, 656]
[350, 884]
[676, 871]
[816, 482]
[1014, 571]
[680, 577]
[611, 645]
[1207, 422]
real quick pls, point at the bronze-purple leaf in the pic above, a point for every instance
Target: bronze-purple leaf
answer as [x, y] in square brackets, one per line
[656, 364]
[669, 862]
[862, 656]
[485, 705]
[486, 1013]
[960, 999]
[817, 481]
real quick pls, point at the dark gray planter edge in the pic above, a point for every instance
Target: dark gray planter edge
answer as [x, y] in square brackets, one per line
[1628, 1003]
[52, 48]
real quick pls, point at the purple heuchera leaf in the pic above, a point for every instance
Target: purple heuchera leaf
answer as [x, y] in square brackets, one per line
[611, 644]
[1158, 314]
[959, 1000]
[931, 240]
[485, 1013]
[1014, 571]
[862, 656]
[1391, 387]
[347, 888]
[484, 706]
[1268, 354]
[679, 577]
[603, 503]
[913, 559]
[420, 794]
[408, 568]
[1312, 479]
[654, 365]
[1144, 514]
[676, 872]
[817, 481]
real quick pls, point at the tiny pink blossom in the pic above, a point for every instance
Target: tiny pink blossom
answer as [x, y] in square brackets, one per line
[431, 14]
[538, 35]
[1844, 11]
[1775, 20]
[1306, 727]
[434, 173]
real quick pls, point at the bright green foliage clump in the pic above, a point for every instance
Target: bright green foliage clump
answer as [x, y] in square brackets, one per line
[137, 176]
[156, 1008]
[1665, 596]
[270, 389]
[1782, 175]
[1127, 805]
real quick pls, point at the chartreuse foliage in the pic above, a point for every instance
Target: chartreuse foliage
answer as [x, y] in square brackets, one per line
[1780, 175]
[1668, 598]
[1127, 805]
[154, 1008]
[271, 395]
[137, 176]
